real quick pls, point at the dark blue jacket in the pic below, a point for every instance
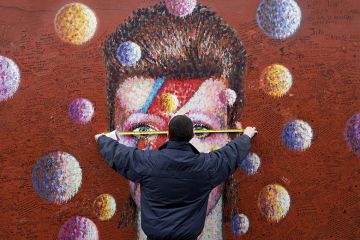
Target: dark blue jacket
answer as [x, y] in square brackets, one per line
[175, 182]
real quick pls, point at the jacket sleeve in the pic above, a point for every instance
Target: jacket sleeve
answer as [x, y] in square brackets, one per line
[224, 161]
[128, 161]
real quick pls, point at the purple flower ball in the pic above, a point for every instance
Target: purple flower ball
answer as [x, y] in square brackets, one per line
[352, 133]
[78, 228]
[9, 78]
[180, 8]
[57, 177]
[81, 110]
[240, 224]
[279, 19]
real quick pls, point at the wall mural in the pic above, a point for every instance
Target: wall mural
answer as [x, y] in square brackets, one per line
[180, 66]
[167, 58]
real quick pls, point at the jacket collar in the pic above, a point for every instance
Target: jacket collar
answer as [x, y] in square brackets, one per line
[183, 146]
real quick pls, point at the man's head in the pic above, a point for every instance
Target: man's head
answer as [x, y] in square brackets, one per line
[181, 129]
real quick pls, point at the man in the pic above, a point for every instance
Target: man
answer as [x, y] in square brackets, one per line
[176, 179]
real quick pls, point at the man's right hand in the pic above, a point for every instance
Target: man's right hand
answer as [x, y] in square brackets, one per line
[112, 135]
[250, 131]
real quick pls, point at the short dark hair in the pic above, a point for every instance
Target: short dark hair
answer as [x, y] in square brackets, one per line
[181, 128]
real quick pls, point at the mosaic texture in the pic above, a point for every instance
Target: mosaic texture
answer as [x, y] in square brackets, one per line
[213, 223]
[104, 207]
[240, 224]
[352, 133]
[274, 202]
[75, 23]
[180, 57]
[297, 135]
[180, 8]
[9, 78]
[78, 228]
[276, 80]
[251, 164]
[81, 110]
[279, 19]
[56, 177]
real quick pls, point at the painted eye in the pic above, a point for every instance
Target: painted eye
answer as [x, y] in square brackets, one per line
[142, 127]
[199, 126]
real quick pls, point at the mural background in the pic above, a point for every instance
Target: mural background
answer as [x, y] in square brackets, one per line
[323, 57]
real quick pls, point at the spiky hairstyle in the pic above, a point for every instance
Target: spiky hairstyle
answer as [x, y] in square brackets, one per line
[200, 45]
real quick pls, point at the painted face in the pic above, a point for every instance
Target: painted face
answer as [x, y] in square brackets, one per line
[146, 104]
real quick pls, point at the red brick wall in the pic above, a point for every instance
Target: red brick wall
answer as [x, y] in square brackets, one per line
[323, 56]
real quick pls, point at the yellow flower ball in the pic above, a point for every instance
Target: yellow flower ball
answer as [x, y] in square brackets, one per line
[104, 207]
[169, 102]
[75, 23]
[276, 80]
[274, 202]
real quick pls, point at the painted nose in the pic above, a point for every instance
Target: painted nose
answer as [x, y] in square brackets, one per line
[152, 142]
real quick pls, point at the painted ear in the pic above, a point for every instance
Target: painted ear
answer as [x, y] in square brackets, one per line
[238, 125]
[228, 97]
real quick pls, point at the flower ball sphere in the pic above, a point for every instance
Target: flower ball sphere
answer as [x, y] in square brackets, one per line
[276, 80]
[128, 53]
[81, 110]
[274, 202]
[57, 177]
[279, 19]
[352, 133]
[297, 135]
[169, 102]
[240, 224]
[104, 207]
[180, 8]
[75, 23]
[251, 164]
[78, 228]
[228, 97]
[9, 78]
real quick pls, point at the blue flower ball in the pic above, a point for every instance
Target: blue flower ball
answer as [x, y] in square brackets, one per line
[240, 224]
[297, 135]
[128, 53]
[279, 19]
[251, 164]
[352, 133]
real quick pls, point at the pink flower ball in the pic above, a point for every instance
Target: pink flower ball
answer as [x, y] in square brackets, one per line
[228, 97]
[9, 78]
[180, 8]
[81, 110]
[79, 228]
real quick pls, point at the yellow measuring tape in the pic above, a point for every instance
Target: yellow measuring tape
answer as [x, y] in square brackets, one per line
[196, 131]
